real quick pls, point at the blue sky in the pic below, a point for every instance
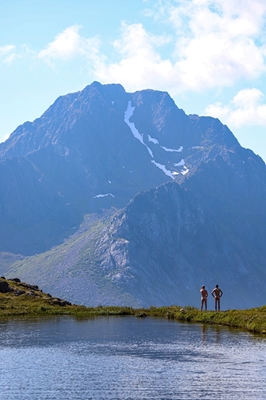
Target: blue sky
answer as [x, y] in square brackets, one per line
[210, 56]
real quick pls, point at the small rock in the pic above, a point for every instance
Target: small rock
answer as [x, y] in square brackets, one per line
[141, 315]
[28, 286]
[59, 302]
[19, 292]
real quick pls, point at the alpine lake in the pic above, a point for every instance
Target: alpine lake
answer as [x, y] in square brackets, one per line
[124, 357]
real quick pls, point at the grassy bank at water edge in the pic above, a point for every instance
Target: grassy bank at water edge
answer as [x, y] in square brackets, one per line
[19, 299]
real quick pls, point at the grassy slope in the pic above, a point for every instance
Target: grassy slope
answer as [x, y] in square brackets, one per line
[66, 254]
[35, 303]
[67, 264]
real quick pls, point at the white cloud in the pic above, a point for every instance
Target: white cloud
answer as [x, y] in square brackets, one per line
[247, 108]
[140, 65]
[213, 44]
[7, 49]
[8, 53]
[69, 44]
[216, 43]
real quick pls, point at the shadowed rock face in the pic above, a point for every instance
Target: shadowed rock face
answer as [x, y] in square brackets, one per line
[190, 203]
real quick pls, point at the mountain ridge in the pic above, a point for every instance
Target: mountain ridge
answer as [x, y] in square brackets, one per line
[101, 152]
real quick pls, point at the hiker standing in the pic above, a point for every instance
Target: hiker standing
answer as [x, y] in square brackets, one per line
[204, 295]
[217, 294]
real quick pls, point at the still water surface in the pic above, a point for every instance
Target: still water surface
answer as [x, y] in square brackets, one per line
[128, 358]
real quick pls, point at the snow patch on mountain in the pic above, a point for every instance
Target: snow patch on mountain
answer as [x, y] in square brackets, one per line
[103, 195]
[128, 114]
[162, 167]
[181, 163]
[173, 150]
[185, 170]
[155, 141]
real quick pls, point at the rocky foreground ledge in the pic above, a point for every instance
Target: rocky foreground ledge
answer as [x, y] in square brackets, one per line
[18, 288]
[22, 300]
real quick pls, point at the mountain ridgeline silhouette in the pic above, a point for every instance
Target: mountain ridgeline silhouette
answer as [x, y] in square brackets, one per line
[124, 199]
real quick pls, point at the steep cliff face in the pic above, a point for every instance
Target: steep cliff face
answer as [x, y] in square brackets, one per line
[152, 244]
[165, 244]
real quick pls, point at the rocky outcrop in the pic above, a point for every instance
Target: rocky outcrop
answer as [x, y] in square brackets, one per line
[18, 288]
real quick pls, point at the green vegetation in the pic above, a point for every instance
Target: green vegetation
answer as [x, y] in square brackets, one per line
[253, 320]
[24, 301]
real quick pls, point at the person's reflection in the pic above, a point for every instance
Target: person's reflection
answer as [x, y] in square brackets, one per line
[214, 330]
[217, 334]
[204, 333]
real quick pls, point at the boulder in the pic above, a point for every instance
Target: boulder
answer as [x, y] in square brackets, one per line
[4, 287]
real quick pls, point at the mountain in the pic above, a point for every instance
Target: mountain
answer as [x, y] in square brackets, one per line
[121, 198]
[91, 150]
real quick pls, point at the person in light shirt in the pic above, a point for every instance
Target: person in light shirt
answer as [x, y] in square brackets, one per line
[204, 296]
[217, 294]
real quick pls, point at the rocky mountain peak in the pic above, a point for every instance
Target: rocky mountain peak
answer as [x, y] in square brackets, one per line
[188, 200]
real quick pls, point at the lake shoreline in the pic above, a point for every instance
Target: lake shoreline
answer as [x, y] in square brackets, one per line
[22, 300]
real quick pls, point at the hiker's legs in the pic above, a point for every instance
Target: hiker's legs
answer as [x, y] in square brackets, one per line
[203, 301]
[217, 304]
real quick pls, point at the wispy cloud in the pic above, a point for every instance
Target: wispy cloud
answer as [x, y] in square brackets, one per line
[69, 44]
[10, 53]
[7, 53]
[248, 108]
[7, 49]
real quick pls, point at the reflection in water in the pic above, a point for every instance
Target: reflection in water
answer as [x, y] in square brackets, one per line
[128, 358]
[204, 333]
[215, 332]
